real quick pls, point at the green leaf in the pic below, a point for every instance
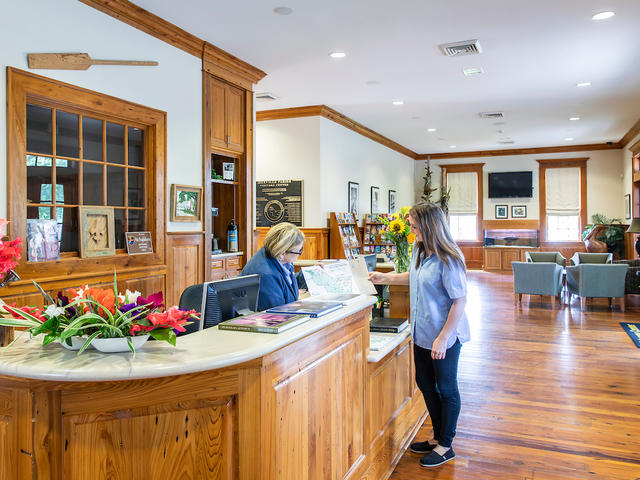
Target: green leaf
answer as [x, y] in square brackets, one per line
[115, 287]
[164, 335]
[130, 345]
[88, 342]
[18, 322]
[44, 294]
[22, 314]
[48, 339]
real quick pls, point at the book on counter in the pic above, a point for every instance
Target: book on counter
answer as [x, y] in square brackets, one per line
[390, 325]
[307, 307]
[263, 322]
[343, 298]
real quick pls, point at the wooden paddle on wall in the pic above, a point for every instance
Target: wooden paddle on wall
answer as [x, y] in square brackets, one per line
[75, 61]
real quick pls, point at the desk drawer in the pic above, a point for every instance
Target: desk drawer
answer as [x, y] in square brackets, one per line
[217, 265]
[233, 263]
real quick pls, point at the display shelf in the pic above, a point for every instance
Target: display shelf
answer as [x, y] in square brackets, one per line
[372, 239]
[224, 182]
[344, 239]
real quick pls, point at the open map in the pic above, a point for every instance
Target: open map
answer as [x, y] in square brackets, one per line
[338, 277]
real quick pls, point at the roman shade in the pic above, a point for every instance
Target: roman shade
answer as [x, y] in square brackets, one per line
[563, 191]
[463, 198]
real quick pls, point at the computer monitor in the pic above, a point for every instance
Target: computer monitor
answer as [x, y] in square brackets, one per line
[371, 262]
[220, 300]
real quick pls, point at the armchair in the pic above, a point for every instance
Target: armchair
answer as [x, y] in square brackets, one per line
[537, 278]
[632, 280]
[555, 257]
[588, 280]
[598, 258]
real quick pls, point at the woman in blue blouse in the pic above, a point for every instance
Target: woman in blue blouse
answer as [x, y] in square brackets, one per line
[439, 326]
[274, 263]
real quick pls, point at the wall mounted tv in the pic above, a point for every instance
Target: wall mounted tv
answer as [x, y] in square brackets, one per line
[510, 184]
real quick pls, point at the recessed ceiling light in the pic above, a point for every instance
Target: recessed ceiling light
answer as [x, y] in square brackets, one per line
[337, 54]
[431, 129]
[452, 146]
[602, 15]
[373, 82]
[416, 117]
[583, 84]
[472, 71]
[398, 102]
[573, 119]
[568, 139]
[283, 10]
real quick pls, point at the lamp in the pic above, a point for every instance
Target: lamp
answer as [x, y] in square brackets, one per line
[635, 228]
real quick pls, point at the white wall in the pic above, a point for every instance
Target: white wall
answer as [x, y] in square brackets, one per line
[175, 86]
[327, 156]
[605, 180]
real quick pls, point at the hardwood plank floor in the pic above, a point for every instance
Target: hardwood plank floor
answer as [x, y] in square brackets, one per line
[546, 394]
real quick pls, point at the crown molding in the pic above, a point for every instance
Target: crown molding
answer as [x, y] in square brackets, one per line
[521, 151]
[337, 117]
[229, 67]
[631, 134]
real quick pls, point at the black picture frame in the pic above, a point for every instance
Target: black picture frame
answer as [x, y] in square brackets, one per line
[502, 212]
[627, 206]
[353, 199]
[392, 201]
[518, 211]
[375, 200]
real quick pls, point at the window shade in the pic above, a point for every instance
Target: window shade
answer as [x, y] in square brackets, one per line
[464, 193]
[563, 191]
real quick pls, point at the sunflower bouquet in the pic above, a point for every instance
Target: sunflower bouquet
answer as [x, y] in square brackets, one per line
[397, 231]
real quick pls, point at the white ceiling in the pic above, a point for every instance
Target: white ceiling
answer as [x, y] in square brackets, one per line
[534, 54]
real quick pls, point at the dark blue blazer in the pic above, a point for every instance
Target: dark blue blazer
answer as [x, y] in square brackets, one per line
[275, 290]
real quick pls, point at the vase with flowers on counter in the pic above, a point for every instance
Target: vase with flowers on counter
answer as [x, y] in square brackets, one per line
[397, 231]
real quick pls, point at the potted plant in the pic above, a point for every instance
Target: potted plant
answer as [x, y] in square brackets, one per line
[604, 234]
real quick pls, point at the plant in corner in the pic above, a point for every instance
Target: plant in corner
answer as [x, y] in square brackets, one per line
[607, 230]
[397, 231]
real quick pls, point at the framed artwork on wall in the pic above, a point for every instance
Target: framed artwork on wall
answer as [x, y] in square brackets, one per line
[185, 203]
[392, 201]
[518, 211]
[627, 206]
[502, 211]
[375, 200]
[97, 232]
[354, 199]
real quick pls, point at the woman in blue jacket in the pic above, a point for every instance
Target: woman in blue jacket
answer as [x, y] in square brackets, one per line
[274, 263]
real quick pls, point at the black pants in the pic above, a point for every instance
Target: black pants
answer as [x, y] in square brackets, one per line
[438, 382]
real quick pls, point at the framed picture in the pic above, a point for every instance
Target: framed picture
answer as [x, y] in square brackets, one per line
[627, 206]
[518, 211]
[502, 211]
[97, 232]
[185, 203]
[375, 200]
[354, 199]
[392, 201]
[228, 170]
[43, 243]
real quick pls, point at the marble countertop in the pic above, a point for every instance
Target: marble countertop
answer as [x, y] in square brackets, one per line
[395, 339]
[206, 350]
[215, 256]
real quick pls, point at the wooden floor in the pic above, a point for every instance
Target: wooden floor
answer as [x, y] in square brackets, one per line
[546, 394]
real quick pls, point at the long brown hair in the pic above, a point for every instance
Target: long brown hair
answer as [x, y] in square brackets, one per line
[436, 237]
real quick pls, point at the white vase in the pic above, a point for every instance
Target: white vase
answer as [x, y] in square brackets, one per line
[118, 344]
[76, 342]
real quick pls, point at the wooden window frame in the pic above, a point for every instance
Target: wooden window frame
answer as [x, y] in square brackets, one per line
[25, 87]
[477, 169]
[543, 166]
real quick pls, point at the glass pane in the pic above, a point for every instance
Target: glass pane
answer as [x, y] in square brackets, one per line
[68, 220]
[135, 147]
[39, 179]
[115, 186]
[42, 213]
[92, 176]
[92, 139]
[118, 217]
[39, 129]
[67, 134]
[67, 181]
[136, 188]
[115, 143]
[136, 221]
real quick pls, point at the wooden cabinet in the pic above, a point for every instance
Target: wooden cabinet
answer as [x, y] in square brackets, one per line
[226, 112]
[500, 258]
[226, 267]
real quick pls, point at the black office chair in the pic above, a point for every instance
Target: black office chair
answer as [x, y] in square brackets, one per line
[208, 305]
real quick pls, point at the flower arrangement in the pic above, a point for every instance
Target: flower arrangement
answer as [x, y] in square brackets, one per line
[99, 313]
[9, 253]
[397, 231]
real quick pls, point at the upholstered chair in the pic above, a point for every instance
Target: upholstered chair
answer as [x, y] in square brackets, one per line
[632, 280]
[591, 280]
[537, 278]
[582, 257]
[555, 257]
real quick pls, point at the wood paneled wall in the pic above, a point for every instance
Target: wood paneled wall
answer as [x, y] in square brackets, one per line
[185, 259]
[316, 245]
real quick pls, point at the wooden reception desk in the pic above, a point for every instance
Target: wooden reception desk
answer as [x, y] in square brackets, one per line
[311, 402]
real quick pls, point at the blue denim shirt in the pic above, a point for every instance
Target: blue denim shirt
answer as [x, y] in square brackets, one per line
[433, 286]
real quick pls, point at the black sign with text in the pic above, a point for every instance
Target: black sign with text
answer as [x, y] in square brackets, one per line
[279, 201]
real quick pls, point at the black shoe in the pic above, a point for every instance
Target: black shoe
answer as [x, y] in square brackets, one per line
[432, 459]
[421, 447]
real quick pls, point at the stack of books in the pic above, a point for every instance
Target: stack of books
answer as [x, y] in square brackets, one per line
[307, 307]
[389, 325]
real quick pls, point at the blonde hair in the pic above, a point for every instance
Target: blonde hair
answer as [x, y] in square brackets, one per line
[436, 237]
[281, 238]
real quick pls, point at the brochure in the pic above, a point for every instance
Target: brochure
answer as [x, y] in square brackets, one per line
[341, 277]
[263, 322]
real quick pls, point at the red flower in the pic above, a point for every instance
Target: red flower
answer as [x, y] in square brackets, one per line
[172, 318]
[36, 312]
[9, 254]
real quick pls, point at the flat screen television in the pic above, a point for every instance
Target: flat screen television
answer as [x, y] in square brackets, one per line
[510, 184]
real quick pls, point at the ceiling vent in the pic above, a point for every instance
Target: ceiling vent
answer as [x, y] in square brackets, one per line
[506, 142]
[455, 49]
[491, 115]
[266, 96]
